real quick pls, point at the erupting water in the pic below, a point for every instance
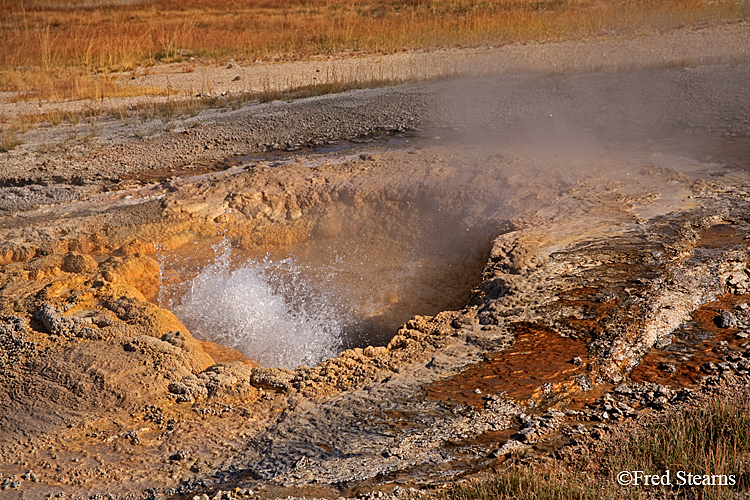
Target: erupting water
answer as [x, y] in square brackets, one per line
[268, 310]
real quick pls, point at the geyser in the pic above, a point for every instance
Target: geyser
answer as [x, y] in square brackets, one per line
[362, 272]
[340, 255]
[267, 309]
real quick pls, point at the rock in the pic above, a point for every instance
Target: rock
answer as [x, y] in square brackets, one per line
[726, 319]
[175, 338]
[662, 343]
[510, 447]
[225, 379]
[623, 389]
[374, 351]
[584, 382]
[528, 434]
[135, 247]
[276, 379]
[552, 413]
[188, 389]
[709, 367]
[667, 367]
[659, 402]
[77, 263]
[57, 323]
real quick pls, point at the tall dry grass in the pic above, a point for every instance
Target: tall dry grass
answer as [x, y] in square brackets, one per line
[56, 44]
[710, 440]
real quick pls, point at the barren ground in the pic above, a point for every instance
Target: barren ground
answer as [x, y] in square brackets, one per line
[572, 219]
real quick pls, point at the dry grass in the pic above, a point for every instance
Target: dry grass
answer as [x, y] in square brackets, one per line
[27, 121]
[8, 140]
[51, 48]
[710, 440]
[714, 439]
[521, 484]
[68, 83]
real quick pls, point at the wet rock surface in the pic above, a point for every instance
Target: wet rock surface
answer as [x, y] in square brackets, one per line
[614, 283]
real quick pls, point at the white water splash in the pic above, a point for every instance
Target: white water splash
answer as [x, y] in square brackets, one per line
[266, 310]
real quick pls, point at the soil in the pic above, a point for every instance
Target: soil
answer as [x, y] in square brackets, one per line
[587, 215]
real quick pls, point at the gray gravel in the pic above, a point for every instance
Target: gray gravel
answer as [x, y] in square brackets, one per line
[638, 106]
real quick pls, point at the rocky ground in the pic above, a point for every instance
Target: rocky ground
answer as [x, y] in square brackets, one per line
[608, 212]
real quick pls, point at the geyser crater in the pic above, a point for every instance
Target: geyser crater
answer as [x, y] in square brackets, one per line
[350, 286]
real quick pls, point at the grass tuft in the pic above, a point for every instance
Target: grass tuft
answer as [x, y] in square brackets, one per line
[66, 83]
[521, 484]
[712, 440]
[8, 141]
[706, 441]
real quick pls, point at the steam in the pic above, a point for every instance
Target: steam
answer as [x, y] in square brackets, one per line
[493, 154]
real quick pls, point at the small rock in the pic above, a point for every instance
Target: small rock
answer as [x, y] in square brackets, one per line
[733, 356]
[526, 434]
[659, 402]
[78, 263]
[509, 447]
[726, 319]
[742, 335]
[662, 343]
[709, 367]
[584, 383]
[667, 367]
[623, 389]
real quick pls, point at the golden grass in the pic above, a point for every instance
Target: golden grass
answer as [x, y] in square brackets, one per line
[67, 83]
[54, 46]
[8, 140]
[711, 440]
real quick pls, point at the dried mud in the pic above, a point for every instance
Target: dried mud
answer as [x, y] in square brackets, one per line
[582, 228]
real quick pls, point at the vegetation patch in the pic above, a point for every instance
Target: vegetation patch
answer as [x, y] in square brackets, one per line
[709, 441]
[56, 49]
[706, 441]
[8, 141]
